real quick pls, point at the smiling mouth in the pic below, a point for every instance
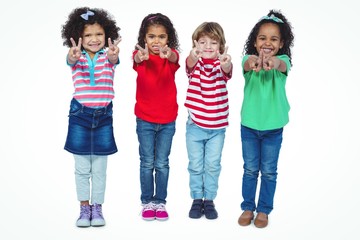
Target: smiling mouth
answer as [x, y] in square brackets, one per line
[267, 50]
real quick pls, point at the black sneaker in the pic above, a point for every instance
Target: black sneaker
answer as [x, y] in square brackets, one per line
[209, 209]
[197, 209]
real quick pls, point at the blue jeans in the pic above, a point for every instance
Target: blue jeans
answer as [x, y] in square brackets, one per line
[154, 148]
[204, 147]
[90, 167]
[260, 153]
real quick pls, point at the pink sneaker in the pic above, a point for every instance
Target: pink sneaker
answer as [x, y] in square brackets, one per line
[148, 211]
[161, 213]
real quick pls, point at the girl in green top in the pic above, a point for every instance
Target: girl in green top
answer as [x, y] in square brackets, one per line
[264, 112]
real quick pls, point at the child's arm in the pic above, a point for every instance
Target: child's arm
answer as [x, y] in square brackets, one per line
[74, 52]
[194, 56]
[142, 54]
[113, 51]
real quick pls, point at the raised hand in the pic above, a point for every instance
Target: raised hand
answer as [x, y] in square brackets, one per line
[196, 52]
[271, 62]
[225, 60]
[165, 52]
[75, 51]
[113, 50]
[142, 54]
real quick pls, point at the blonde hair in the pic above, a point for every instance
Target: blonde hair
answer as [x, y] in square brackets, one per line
[213, 30]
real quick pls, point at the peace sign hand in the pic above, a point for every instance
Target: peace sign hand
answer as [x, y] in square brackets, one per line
[113, 50]
[196, 52]
[75, 51]
[165, 52]
[225, 60]
[142, 54]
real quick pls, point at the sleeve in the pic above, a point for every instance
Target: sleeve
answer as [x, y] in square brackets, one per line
[286, 60]
[243, 62]
[135, 65]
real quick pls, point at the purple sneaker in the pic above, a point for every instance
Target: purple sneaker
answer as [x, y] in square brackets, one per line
[161, 213]
[148, 211]
[97, 219]
[85, 216]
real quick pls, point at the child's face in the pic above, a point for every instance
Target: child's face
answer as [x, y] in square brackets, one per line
[210, 47]
[155, 38]
[93, 39]
[268, 39]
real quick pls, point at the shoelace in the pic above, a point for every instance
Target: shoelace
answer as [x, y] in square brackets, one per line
[97, 211]
[148, 206]
[85, 211]
[160, 207]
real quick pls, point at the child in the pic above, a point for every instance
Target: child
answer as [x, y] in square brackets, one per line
[90, 138]
[156, 59]
[264, 112]
[208, 68]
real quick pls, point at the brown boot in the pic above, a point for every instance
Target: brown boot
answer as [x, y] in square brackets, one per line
[245, 218]
[261, 220]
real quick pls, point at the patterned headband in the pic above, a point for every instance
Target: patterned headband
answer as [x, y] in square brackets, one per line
[272, 17]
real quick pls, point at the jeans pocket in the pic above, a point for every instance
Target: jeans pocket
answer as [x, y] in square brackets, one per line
[74, 109]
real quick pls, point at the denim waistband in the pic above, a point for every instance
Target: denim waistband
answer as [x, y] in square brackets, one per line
[92, 111]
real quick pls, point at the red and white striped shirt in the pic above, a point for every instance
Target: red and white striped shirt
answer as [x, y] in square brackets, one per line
[207, 95]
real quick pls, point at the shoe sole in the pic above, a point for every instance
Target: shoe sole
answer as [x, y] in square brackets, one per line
[97, 223]
[83, 224]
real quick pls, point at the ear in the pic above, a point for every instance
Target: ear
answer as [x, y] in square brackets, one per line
[281, 44]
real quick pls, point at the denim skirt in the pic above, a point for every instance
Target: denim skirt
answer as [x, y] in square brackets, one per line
[90, 130]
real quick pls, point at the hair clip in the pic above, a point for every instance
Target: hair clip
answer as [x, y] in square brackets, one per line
[273, 18]
[86, 15]
[152, 18]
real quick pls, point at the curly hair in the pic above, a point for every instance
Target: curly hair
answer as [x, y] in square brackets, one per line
[159, 19]
[213, 30]
[286, 33]
[74, 26]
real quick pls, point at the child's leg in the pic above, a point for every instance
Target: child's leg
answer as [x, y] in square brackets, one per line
[164, 137]
[146, 137]
[98, 180]
[213, 152]
[195, 138]
[82, 176]
[270, 149]
[251, 141]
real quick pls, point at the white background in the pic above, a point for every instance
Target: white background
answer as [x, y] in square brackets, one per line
[317, 194]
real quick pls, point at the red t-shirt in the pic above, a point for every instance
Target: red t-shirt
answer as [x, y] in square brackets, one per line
[156, 99]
